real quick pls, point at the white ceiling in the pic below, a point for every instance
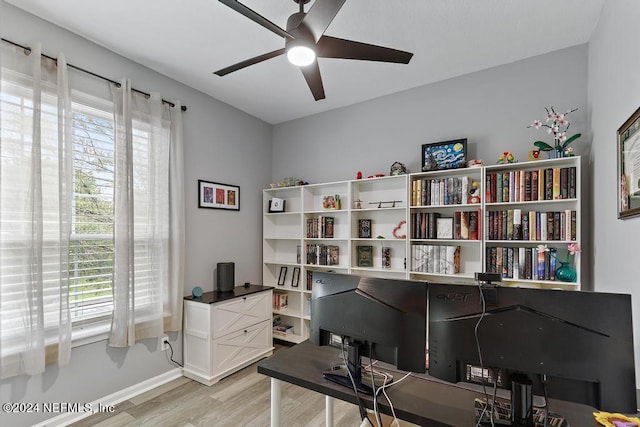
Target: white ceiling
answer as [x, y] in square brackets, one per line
[189, 40]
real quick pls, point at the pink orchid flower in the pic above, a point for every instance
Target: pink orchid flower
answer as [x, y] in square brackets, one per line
[573, 248]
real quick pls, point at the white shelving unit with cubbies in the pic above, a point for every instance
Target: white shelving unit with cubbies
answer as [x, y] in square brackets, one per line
[382, 204]
[416, 221]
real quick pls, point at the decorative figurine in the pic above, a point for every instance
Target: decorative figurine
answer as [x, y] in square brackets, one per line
[359, 175]
[474, 192]
[506, 157]
[534, 154]
[398, 168]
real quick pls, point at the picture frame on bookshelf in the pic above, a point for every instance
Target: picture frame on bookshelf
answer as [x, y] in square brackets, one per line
[629, 167]
[215, 195]
[444, 155]
[283, 276]
[364, 228]
[295, 277]
[277, 205]
[365, 256]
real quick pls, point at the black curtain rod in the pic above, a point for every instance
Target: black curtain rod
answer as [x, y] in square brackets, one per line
[28, 49]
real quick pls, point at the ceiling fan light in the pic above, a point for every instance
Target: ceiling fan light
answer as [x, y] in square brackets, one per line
[301, 55]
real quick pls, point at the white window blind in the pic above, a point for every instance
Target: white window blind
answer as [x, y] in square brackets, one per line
[91, 248]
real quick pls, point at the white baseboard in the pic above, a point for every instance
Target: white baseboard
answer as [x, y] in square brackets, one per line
[112, 399]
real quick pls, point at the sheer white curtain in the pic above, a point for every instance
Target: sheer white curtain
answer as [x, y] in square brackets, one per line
[149, 246]
[35, 215]
[175, 285]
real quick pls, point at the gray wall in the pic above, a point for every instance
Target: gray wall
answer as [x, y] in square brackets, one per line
[614, 94]
[491, 108]
[221, 144]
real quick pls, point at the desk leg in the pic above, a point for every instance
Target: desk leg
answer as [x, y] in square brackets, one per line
[328, 411]
[275, 402]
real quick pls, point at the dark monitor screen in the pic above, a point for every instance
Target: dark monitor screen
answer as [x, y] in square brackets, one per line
[384, 317]
[581, 343]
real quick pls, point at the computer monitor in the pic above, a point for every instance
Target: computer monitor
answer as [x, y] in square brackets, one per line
[581, 342]
[384, 319]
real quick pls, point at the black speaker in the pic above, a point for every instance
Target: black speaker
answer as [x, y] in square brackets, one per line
[225, 275]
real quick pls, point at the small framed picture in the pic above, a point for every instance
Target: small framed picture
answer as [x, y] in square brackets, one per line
[283, 276]
[629, 167]
[364, 228]
[277, 205]
[295, 277]
[444, 155]
[365, 256]
[214, 195]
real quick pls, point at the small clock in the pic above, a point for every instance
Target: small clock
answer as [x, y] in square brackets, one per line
[196, 292]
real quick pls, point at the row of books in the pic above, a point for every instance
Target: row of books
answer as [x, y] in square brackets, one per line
[280, 301]
[516, 224]
[438, 259]
[280, 328]
[320, 227]
[464, 225]
[531, 185]
[441, 191]
[522, 263]
[323, 254]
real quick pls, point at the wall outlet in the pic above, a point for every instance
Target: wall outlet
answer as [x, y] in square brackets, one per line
[162, 342]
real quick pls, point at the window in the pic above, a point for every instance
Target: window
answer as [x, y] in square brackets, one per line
[91, 247]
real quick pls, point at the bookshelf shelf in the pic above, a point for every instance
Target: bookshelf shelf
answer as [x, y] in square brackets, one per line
[470, 198]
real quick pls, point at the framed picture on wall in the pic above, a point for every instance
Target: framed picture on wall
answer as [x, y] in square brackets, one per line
[214, 195]
[629, 167]
[444, 155]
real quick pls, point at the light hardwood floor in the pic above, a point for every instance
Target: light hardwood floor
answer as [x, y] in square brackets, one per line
[241, 399]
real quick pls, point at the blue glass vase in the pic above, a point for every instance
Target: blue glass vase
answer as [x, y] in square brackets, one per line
[566, 273]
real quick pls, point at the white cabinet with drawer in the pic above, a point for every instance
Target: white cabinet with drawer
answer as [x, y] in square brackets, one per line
[224, 332]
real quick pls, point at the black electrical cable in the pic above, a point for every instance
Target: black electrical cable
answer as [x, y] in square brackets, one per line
[484, 386]
[376, 412]
[546, 399]
[363, 413]
[171, 357]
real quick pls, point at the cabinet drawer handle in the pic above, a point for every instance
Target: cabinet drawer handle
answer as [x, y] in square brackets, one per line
[245, 331]
[244, 298]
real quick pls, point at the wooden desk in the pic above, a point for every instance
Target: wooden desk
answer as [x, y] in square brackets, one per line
[417, 400]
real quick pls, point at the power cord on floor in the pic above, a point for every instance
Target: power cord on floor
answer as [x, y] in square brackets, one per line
[166, 341]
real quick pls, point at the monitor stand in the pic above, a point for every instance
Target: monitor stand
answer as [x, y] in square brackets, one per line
[339, 374]
[519, 409]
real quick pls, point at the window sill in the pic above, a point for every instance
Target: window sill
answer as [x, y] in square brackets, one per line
[89, 334]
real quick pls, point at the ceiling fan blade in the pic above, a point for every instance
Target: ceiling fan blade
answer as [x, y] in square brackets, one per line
[320, 16]
[311, 74]
[256, 17]
[247, 62]
[332, 47]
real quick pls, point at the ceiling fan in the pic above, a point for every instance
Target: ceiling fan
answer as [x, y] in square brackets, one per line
[305, 41]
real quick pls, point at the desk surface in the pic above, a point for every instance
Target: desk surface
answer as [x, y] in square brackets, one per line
[417, 400]
[238, 291]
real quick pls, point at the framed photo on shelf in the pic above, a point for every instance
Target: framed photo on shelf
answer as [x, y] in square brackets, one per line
[277, 205]
[444, 155]
[364, 228]
[283, 276]
[365, 256]
[214, 195]
[295, 277]
[629, 167]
